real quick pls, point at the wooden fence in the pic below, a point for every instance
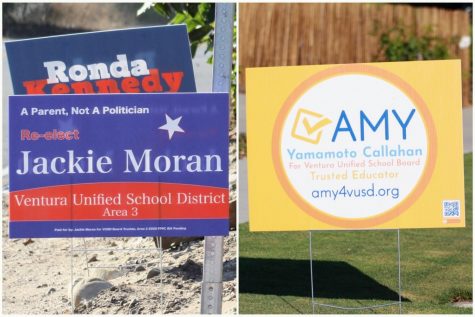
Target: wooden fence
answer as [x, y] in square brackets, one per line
[278, 34]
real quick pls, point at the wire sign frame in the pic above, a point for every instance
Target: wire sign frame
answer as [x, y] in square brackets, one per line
[313, 274]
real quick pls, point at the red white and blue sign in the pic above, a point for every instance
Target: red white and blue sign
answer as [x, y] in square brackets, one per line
[138, 60]
[104, 165]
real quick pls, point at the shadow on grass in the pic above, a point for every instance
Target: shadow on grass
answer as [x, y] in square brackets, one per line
[332, 279]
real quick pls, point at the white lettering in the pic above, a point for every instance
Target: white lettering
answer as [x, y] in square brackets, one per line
[55, 71]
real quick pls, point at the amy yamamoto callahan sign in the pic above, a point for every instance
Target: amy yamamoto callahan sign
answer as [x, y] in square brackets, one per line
[119, 165]
[355, 146]
[149, 60]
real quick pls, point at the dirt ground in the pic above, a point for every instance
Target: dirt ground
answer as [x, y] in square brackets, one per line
[37, 275]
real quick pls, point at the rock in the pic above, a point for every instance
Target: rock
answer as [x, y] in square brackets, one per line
[126, 267]
[171, 242]
[153, 272]
[28, 241]
[92, 279]
[42, 285]
[232, 214]
[140, 268]
[88, 290]
[93, 258]
[51, 290]
[133, 303]
[106, 274]
[229, 270]
[189, 270]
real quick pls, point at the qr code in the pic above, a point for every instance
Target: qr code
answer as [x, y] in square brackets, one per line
[451, 208]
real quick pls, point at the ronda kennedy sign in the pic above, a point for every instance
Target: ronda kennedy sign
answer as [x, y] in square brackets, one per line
[151, 59]
[356, 146]
[119, 165]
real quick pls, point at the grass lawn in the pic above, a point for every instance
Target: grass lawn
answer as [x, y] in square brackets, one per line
[436, 266]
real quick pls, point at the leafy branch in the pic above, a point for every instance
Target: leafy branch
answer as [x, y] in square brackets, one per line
[399, 44]
[199, 19]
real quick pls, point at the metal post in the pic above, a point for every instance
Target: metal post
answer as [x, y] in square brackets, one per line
[72, 274]
[212, 285]
[162, 306]
[311, 267]
[399, 270]
[85, 255]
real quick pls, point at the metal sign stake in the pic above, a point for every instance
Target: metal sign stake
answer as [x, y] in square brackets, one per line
[315, 304]
[212, 285]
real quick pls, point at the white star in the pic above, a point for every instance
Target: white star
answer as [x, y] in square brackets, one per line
[171, 126]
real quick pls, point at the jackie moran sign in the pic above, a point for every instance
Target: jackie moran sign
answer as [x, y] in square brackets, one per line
[355, 146]
[149, 60]
[119, 165]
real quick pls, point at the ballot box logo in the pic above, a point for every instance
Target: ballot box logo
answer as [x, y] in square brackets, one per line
[308, 126]
[354, 145]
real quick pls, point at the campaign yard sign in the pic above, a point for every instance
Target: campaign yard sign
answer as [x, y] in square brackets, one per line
[149, 59]
[357, 146]
[106, 165]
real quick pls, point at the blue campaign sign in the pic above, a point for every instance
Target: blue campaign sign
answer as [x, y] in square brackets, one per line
[150, 59]
[119, 165]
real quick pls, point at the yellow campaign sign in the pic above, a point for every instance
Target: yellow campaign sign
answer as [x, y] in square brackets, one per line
[355, 146]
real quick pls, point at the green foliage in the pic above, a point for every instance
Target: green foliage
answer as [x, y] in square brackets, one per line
[454, 295]
[199, 19]
[399, 44]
